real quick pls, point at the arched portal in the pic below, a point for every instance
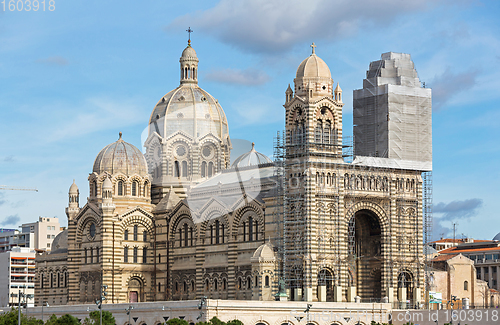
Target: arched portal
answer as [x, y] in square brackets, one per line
[368, 252]
[326, 278]
[135, 290]
[405, 286]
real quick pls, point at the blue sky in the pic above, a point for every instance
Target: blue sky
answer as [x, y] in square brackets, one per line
[72, 78]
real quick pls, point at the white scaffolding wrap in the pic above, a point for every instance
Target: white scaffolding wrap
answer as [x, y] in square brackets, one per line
[393, 113]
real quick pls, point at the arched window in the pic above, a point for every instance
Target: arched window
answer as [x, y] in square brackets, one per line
[184, 169]
[159, 287]
[97, 254]
[222, 233]
[216, 285]
[159, 258]
[217, 231]
[317, 132]
[192, 235]
[224, 284]
[210, 169]
[136, 230]
[144, 235]
[120, 187]
[180, 237]
[94, 185]
[135, 254]
[266, 279]
[144, 255]
[192, 286]
[326, 133]
[256, 282]
[250, 229]
[186, 239]
[125, 235]
[211, 234]
[207, 286]
[177, 169]
[466, 285]
[244, 231]
[125, 254]
[134, 188]
[204, 169]
[249, 283]
[91, 255]
[184, 287]
[240, 284]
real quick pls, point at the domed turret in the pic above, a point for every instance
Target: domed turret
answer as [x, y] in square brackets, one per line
[73, 201]
[121, 157]
[251, 158]
[313, 78]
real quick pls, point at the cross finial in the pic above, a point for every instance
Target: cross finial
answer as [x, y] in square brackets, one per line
[313, 47]
[189, 30]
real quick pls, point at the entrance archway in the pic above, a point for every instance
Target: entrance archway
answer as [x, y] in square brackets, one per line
[368, 252]
[135, 290]
[405, 282]
[326, 278]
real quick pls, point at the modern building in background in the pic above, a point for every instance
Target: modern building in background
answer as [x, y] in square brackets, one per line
[18, 273]
[44, 230]
[34, 235]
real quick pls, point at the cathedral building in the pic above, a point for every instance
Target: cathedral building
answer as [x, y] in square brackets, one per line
[180, 222]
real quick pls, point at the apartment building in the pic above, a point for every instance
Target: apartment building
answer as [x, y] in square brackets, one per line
[20, 275]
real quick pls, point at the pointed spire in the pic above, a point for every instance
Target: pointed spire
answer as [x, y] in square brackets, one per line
[289, 90]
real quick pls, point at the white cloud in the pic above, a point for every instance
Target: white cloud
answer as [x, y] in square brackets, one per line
[96, 114]
[273, 26]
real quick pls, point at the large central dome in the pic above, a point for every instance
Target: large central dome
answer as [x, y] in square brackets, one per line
[191, 110]
[188, 108]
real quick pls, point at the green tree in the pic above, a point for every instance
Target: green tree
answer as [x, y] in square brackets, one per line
[94, 318]
[63, 320]
[177, 321]
[10, 318]
[234, 322]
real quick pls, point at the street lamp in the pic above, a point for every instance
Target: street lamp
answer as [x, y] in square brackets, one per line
[129, 312]
[44, 304]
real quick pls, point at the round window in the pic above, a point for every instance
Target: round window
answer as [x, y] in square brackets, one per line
[207, 151]
[181, 151]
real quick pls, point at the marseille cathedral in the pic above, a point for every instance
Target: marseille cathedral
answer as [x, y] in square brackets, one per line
[179, 221]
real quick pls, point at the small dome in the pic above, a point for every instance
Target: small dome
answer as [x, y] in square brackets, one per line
[60, 243]
[497, 237]
[107, 185]
[313, 66]
[251, 158]
[189, 53]
[73, 189]
[121, 156]
[264, 251]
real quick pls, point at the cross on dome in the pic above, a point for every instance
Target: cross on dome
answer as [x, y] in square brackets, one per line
[313, 48]
[189, 30]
